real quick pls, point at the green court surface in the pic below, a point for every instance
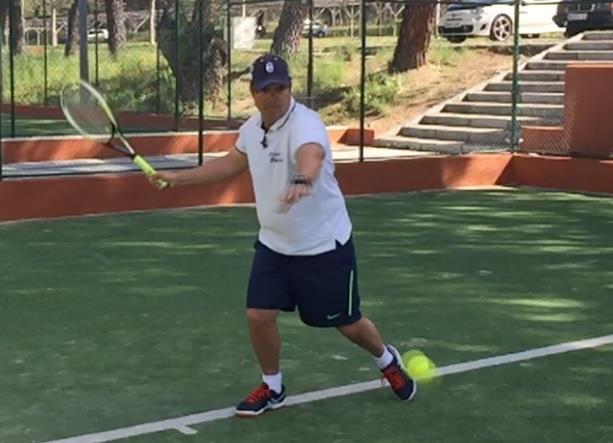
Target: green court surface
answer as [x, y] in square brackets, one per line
[33, 127]
[115, 321]
[28, 127]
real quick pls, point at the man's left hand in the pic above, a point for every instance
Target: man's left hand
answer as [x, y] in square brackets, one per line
[293, 194]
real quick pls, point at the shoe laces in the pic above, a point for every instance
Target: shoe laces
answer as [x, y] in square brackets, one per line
[262, 392]
[394, 375]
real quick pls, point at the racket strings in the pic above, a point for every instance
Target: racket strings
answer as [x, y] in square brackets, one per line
[87, 114]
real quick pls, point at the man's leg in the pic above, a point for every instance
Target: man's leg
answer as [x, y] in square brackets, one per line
[364, 334]
[266, 343]
[268, 292]
[265, 338]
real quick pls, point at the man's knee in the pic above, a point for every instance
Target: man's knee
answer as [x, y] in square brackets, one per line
[261, 316]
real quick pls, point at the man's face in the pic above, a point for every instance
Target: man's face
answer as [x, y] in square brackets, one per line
[272, 101]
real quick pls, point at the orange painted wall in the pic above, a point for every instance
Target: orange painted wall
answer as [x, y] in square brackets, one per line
[61, 196]
[588, 107]
[93, 194]
[573, 174]
[78, 195]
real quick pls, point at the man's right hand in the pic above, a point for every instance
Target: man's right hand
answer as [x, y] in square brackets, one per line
[168, 176]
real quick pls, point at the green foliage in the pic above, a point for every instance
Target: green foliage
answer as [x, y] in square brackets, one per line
[330, 75]
[447, 56]
[128, 80]
[380, 92]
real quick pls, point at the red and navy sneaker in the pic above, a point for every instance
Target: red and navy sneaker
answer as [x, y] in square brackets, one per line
[402, 385]
[260, 400]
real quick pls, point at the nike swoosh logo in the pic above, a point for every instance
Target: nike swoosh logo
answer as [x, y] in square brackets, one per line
[333, 316]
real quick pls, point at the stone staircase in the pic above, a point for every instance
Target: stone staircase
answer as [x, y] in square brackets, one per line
[479, 119]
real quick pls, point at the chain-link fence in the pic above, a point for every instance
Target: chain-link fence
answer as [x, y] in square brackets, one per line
[415, 76]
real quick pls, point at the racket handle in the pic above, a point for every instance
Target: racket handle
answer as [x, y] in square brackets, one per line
[148, 170]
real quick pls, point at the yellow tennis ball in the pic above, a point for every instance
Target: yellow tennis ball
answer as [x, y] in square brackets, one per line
[409, 355]
[421, 368]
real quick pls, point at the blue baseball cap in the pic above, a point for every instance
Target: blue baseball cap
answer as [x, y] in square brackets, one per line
[269, 69]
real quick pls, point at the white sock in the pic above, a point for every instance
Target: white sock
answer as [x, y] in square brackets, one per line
[273, 381]
[385, 359]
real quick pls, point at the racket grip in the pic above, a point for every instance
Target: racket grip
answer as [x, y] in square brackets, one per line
[148, 170]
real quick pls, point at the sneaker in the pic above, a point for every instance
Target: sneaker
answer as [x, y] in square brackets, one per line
[402, 385]
[261, 399]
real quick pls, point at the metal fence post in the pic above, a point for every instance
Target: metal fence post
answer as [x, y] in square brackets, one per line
[200, 84]
[11, 42]
[515, 93]
[177, 81]
[362, 74]
[158, 91]
[310, 64]
[1, 95]
[83, 54]
[96, 46]
[229, 43]
[45, 56]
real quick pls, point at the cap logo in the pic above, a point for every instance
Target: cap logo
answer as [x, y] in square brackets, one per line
[270, 67]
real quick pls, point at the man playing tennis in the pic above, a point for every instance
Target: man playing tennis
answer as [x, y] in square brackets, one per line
[304, 256]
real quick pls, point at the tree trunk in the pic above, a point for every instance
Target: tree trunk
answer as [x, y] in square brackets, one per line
[18, 38]
[414, 39]
[72, 37]
[4, 8]
[187, 68]
[116, 23]
[286, 39]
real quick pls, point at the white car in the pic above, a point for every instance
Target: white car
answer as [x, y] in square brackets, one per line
[494, 19]
[102, 33]
[319, 29]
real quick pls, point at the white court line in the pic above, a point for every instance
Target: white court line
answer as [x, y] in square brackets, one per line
[182, 424]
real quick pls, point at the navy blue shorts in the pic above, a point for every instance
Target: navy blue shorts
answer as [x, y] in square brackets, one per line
[324, 287]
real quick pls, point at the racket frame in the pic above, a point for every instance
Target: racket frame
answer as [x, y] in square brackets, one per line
[116, 133]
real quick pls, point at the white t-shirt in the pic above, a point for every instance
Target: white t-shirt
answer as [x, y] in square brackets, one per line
[313, 224]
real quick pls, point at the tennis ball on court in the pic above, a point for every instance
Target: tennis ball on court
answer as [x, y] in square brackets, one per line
[409, 355]
[421, 368]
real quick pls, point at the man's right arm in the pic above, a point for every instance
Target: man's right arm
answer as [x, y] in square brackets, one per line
[231, 164]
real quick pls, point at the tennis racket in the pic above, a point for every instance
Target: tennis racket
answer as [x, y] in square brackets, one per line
[87, 111]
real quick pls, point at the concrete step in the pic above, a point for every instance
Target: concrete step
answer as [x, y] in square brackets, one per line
[539, 76]
[596, 45]
[591, 36]
[505, 86]
[506, 97]
[432, 146]
[558, 65]
[420, 144]
[455, 133]
[478, 120]
[580, 55]
[548, 112]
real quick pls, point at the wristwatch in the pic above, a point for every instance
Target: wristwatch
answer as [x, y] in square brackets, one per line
[301, 180]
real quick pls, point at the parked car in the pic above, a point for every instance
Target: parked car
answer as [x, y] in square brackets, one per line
[585, 16]
[494, 19]
[102, 33]
[319, 29]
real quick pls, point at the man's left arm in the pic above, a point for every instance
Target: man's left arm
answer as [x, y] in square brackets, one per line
[309, 160]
